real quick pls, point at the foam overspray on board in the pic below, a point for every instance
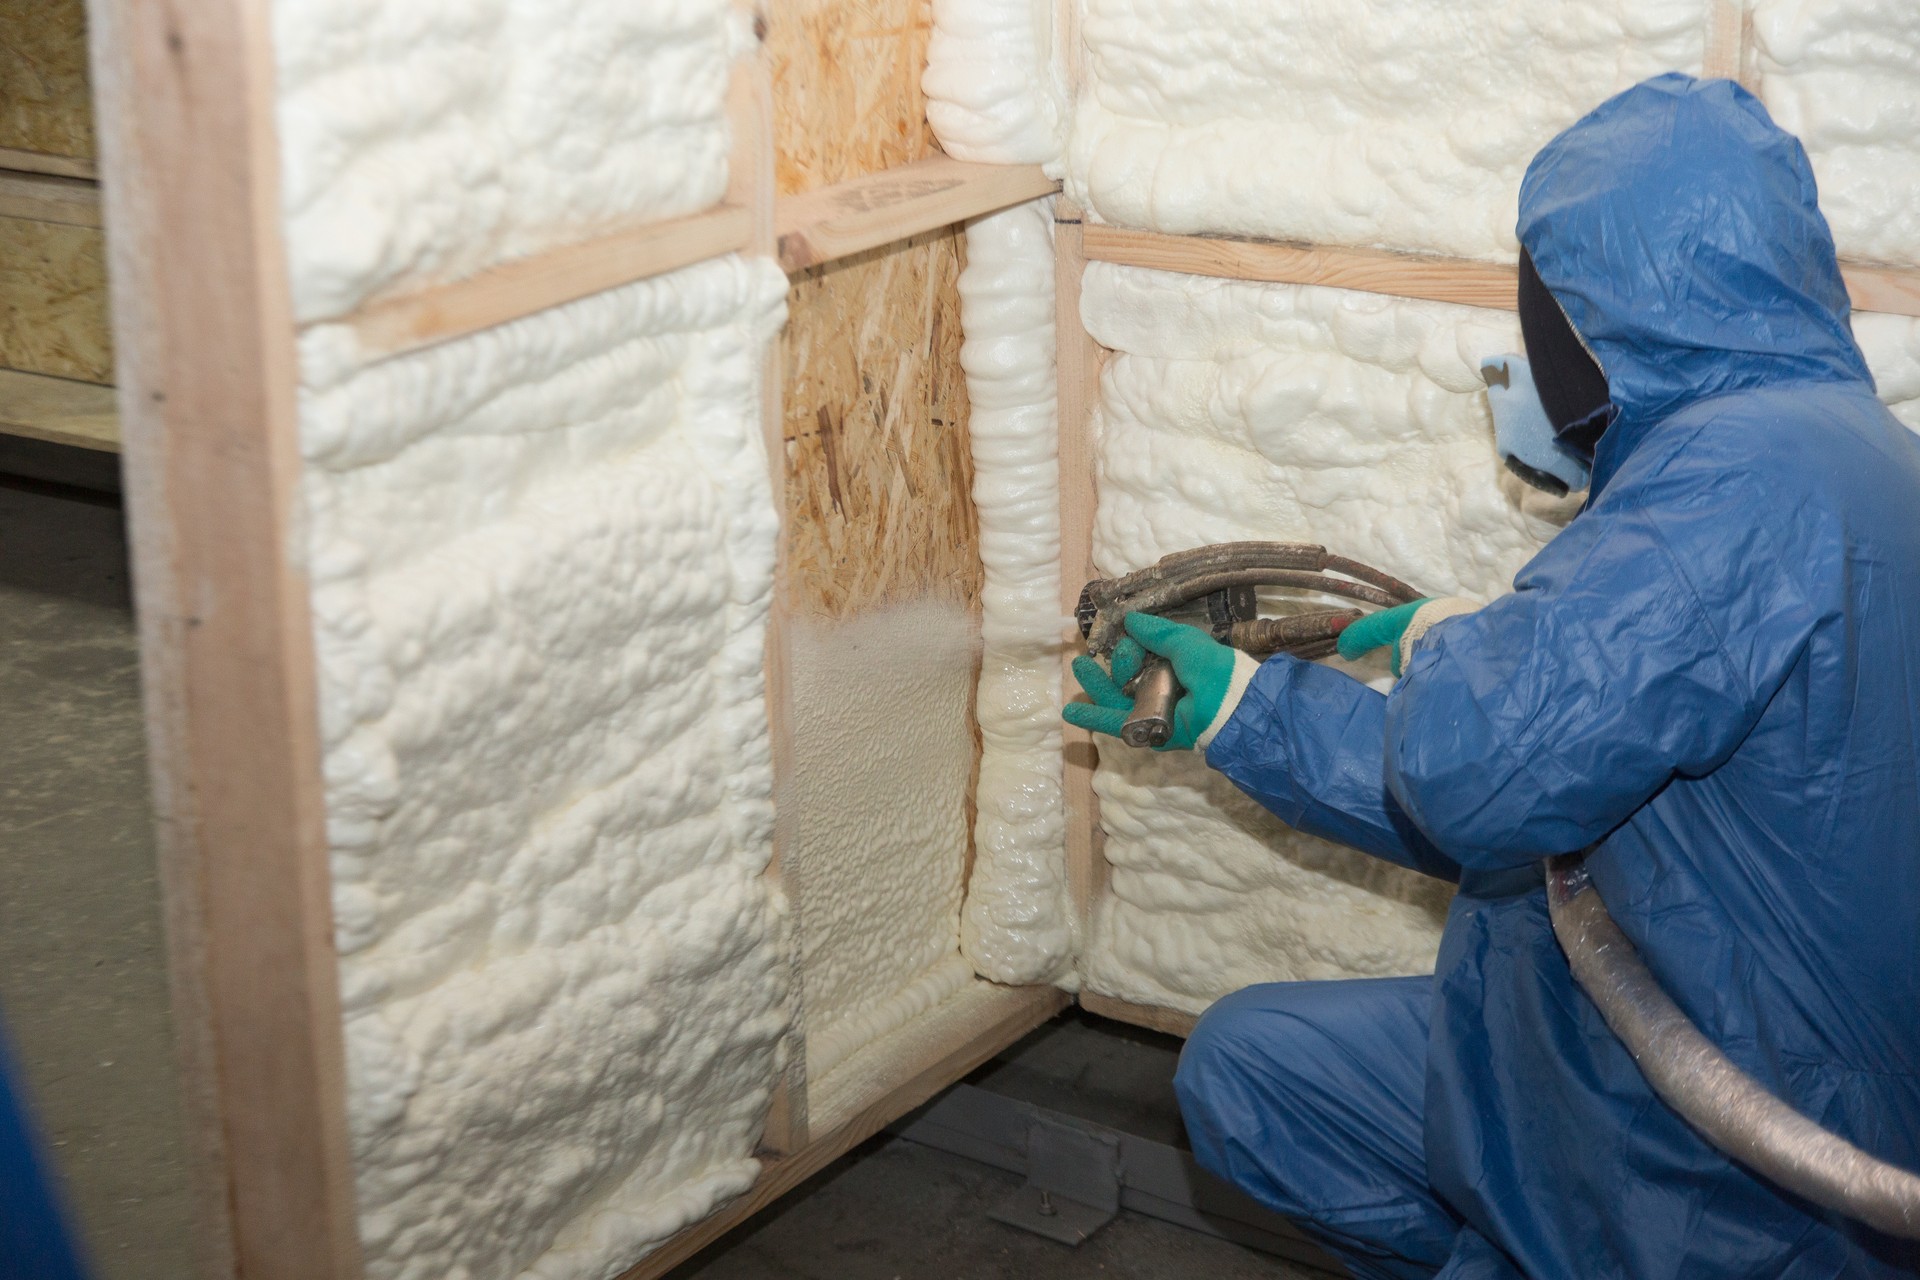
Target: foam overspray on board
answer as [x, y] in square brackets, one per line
[878, 820]
[1018, 925]
[994, 89]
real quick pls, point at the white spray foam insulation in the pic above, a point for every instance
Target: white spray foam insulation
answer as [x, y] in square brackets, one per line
[1231, 410]
[425, 140]
[1401, 123]
[541, 559]
[1018, 925]
[1844, 75]
[1892, 347]
[993, 83]
[878, 810]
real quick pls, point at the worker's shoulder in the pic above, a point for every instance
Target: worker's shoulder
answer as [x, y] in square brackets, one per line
[1807, 439]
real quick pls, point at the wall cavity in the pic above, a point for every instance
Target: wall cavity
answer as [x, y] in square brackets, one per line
[541, 560]
[995, 91]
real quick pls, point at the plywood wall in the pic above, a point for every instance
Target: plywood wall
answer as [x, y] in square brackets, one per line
[44, 100]
[53, 300]
[879, 475]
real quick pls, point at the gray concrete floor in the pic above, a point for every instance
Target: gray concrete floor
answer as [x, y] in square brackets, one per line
[82, 966]
[83, 990]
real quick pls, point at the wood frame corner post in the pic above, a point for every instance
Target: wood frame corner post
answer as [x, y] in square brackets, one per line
[203, 326]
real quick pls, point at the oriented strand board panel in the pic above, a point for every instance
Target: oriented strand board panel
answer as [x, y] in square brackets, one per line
[53, 300]
[882, 568]
[878, 469]
[45, 101]
[846, 85]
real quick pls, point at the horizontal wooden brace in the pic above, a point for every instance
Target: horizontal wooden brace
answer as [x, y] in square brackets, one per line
[881, 208]
[819, 226]
[1895, 290]
[1154, 1018]
[37, 162]
[528, 285]
[80, 414]
[45, 198]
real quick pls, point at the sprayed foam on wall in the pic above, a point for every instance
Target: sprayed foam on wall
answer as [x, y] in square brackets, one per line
[1404, 123]
[1892, 347]
[1228, 411]
[423, 141]
[541, 559]
[992, 82]
[1018, 925]
[878, 847]
[1844, 75]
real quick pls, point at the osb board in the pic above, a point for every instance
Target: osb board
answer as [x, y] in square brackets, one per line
[879, 472]
[44, 99]
[846, 88]
[53, 300]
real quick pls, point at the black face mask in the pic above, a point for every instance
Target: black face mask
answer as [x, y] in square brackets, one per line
[1572, 388]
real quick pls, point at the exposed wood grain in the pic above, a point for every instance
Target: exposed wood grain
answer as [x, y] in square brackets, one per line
[38, 162]
[1169, 1021]
[80, 414]
[879, 479]
[1027, 1008]
[528, 285]
[750, 188]
[53, 300]
[1895, 290]
[49, 198]
[206, 371]
[45, 98]
[846, 84]
[880, 208]
[1079, 391]
[1404, 275]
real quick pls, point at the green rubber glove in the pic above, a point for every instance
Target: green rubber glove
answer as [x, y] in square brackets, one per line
[1401, 627]
[1213, 675]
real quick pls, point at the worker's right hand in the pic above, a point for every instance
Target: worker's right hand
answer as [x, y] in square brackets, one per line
[1212, 676]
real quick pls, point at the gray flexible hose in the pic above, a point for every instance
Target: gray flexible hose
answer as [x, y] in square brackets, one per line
[1731, 1109]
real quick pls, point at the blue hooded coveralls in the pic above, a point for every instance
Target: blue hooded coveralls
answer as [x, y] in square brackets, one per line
[1714, 673]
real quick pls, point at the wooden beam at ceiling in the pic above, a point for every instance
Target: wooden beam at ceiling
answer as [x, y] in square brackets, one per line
[881, 208]
[1472, 283]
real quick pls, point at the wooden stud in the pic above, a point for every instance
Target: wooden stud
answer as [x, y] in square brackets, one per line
[45, 198]
[877, 209]
[1027, 1008]
[1728, 41]
[1894, 290]
[1154, 1018]
[1078, 391]
[750, 190]
[206, 369]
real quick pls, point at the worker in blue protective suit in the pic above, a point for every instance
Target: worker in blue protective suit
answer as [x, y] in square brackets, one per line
[1712, 676]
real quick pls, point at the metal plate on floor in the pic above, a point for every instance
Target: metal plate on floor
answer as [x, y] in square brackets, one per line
[1073, 1183]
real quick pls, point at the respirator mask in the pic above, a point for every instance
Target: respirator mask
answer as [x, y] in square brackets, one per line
[1550, 406]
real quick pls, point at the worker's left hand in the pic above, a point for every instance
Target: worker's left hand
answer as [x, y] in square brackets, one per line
[1212, 675]
[1401, 627]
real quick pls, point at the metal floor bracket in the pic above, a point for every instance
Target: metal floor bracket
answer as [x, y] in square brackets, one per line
[1073, 1182]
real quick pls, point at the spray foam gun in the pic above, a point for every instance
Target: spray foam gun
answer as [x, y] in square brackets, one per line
[1216, 587]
